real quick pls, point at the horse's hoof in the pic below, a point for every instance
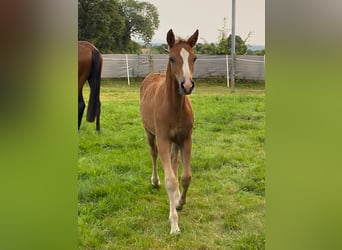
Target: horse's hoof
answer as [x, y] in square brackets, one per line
[180, 204]
[175, 232]
[155, 184]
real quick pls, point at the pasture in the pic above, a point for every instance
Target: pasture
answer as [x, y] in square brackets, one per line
[119, 209]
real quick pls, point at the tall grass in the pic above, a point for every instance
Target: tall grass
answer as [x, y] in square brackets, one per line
[118, 208]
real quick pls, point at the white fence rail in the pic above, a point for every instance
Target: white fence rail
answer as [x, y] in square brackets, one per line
[207, 66]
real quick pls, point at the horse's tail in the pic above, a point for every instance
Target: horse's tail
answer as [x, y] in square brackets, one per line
[94, 82]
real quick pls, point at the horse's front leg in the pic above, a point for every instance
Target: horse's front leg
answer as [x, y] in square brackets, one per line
[186, 171]
[171, 182]
[174, 164]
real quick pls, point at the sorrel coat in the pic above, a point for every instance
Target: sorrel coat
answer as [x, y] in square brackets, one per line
[168, 120]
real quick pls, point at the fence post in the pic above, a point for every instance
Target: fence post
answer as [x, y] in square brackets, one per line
[150, 61]
[227, 65]
[233, 46]
[233, 73]
[128, 81]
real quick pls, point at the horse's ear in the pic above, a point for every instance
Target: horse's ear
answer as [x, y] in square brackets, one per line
[193, 39]
[170, 38]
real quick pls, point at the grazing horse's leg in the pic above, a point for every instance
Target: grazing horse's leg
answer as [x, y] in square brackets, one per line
[98, 117]
[171, 182]
[97, 122]
[186, 172]
[174, 164]
[151, 138]
[81, 107]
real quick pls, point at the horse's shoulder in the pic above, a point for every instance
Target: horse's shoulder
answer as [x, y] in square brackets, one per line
[152, 81]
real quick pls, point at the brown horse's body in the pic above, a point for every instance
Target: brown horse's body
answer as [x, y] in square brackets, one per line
[89, 69]
[168, 120]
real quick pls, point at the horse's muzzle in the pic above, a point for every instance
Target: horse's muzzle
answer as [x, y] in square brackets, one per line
[186, 87]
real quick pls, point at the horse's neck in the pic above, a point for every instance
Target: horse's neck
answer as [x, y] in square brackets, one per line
[176, 100]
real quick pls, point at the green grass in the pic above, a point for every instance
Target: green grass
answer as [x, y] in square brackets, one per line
[118, 208]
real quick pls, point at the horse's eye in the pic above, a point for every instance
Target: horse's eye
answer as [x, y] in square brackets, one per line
[195, 58]
[172, 59]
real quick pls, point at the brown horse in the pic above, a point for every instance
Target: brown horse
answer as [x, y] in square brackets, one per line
[89, 68]
[168, 119]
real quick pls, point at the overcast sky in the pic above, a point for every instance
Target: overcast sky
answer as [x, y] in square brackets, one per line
[185, 16]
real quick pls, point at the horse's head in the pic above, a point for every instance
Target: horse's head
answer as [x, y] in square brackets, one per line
[181, 60]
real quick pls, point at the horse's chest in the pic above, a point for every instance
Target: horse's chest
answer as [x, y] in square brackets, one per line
[175, 124]
[180, 130]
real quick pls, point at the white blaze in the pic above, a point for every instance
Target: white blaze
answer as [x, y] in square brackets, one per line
[185, 56]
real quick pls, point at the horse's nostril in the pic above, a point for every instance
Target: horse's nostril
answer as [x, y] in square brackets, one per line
[187, 87]
[182, 85]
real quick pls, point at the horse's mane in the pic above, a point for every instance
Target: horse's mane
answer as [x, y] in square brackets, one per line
[178, 40]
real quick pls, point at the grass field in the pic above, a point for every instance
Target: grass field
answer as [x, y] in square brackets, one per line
[118, 208]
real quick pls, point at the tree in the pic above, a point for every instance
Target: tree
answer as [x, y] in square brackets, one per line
[141, 20]
[110, 24]
[100, 22]
[223, 46]
[256, 52]
[161, 49]
[240, 45]
[206, 48]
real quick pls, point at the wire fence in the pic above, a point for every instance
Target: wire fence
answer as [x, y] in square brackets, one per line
[207, 66]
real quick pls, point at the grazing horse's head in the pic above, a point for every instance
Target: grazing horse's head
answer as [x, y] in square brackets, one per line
[181, 60]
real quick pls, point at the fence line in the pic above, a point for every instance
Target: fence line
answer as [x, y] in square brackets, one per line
[207, 66]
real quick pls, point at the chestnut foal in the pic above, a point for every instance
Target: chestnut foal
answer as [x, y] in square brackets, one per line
[168, 119]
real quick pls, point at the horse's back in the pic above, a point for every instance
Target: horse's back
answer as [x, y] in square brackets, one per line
[85, 46]
[84, 60]
[84, 51]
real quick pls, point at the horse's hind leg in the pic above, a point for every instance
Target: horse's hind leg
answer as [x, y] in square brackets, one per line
[98, 123]
[98, 118]
[151, 138]
[81, 107]
[186, 171]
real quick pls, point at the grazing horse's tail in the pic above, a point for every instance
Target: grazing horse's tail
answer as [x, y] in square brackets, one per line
[94, 82]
